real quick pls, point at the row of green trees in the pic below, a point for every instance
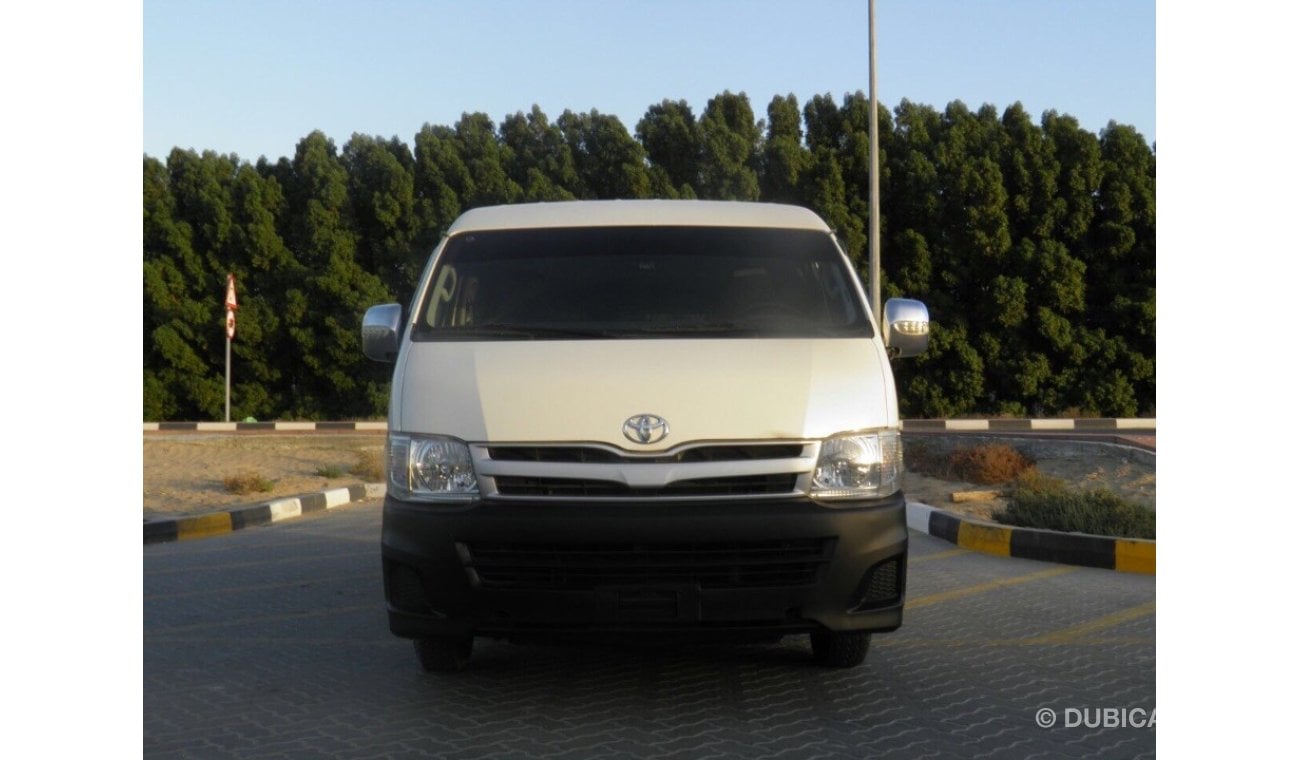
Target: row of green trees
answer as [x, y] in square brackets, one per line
[1033, 244]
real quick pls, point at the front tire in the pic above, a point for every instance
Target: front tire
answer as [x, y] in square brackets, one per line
[839, 649]
[444, 655]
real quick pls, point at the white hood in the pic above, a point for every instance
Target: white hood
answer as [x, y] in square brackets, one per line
[570, 391]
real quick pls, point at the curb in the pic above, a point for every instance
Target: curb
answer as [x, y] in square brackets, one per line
[1129, 555]
[1023, 424]
[219, 523]
[227, 427]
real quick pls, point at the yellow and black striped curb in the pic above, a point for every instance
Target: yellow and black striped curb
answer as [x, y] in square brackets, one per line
[909, 426]
[1087, 425]
[1125, 554]
[218, 523]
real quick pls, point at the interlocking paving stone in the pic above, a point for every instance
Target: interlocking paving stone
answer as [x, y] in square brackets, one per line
[272, 643]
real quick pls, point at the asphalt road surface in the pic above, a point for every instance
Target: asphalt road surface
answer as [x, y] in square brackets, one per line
[272, 643]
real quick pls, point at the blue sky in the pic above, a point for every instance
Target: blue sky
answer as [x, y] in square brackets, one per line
[253, 78]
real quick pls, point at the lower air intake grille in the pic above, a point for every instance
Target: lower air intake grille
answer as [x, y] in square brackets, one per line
[405, 590]
[755, 564]
[749, 485]
[884, 584]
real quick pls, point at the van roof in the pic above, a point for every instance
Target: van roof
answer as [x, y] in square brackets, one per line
[660, 213]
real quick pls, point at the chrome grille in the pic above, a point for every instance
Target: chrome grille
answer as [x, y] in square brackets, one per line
[739, 452]
[716, 470]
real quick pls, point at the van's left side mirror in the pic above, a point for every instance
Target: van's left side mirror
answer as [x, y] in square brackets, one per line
[381, 332]
[907, 327]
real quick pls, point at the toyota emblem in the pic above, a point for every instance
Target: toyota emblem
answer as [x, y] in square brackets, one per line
[645, 428]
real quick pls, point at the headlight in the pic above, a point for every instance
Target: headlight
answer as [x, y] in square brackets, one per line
[430, 468]
[865, 465]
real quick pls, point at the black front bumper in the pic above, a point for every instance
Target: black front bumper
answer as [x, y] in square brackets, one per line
[509, 569]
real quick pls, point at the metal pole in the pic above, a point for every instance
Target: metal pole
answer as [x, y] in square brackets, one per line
[227, 377]
[874, 239]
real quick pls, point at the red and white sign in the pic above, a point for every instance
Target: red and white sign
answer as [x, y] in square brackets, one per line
[231, 305]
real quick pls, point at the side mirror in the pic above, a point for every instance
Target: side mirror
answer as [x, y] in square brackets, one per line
[907, 327]
[381, 331]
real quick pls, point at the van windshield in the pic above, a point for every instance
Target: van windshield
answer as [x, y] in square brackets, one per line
[662, 282]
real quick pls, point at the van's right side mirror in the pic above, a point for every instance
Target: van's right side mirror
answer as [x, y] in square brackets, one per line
[907, 327]
[381, 332]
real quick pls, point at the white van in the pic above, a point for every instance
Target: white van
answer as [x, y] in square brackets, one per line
[642, 417]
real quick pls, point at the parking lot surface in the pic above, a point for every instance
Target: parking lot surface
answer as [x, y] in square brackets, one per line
[272, 643]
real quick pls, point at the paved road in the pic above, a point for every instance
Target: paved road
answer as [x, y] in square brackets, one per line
[272, 643]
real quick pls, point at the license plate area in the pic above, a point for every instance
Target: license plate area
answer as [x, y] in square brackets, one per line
[649, 604]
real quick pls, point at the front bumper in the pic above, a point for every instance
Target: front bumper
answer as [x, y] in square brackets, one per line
[507, 569]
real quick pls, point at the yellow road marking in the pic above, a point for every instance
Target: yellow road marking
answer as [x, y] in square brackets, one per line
[263, 619]
[1108, 641]
[225, 566]
[960, 593]
[285, 640]
[299, 583]
[912, 559]
[1072, 634]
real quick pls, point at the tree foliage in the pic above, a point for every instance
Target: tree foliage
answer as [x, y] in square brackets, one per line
[673, 143]
[1033, 244]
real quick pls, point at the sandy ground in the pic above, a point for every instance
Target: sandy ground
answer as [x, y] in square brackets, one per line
[1108, 467]
[183, 472]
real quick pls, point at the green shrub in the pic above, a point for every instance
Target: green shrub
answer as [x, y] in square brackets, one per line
[988, 463]
[369, 467]
[248, 482]
[1042, 502]
[330, 471]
